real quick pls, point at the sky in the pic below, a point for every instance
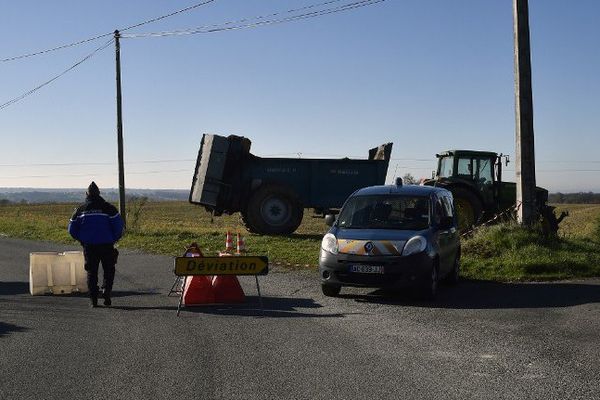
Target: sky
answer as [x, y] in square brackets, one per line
[427, 75]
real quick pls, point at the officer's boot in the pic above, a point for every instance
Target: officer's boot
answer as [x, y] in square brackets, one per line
[94, 299]
[106, 297]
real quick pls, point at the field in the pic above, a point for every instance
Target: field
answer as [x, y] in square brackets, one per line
[166, 227]
[498, 253]
[582, 220]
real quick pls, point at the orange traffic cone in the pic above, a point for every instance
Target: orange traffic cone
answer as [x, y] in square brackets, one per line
[241, 245]
[227, 289]
[228, 243]
[198, 290]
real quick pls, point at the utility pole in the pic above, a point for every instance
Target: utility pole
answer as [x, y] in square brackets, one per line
[525, 152]
[122, 209]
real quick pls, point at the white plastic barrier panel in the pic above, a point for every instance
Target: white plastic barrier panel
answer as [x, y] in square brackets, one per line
[57, 273]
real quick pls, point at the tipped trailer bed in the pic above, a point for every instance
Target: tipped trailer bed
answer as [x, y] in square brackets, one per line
[272, 193]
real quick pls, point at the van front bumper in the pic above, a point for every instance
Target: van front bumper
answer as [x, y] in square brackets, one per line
[336, 269]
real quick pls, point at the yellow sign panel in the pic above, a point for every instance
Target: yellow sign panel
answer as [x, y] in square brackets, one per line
[236, 265]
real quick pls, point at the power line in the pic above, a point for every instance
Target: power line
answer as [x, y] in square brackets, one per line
[569, 161]
[153, 172]
[70, 164]
[187, 170]
[103, 174]
[79, 42]
[241, 24]
[343, 7]
[166, 161]
[22, 96]
[203, 3]
[248, 19]
[563, 170]
[64, 46]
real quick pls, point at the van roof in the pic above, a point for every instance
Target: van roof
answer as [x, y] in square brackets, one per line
[409, 190]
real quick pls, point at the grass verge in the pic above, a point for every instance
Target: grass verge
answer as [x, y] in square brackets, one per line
[509, 252]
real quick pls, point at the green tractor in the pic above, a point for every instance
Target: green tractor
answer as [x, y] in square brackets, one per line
[475, 180]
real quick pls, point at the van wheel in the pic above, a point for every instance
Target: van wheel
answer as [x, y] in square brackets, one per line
[331, 290]
[273, 210]
[430, 285]
[454, 276]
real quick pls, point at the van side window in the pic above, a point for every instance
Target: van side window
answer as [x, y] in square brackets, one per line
[439, 211]
[448, 207]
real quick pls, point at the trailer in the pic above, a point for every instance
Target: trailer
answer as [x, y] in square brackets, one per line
[272, 193]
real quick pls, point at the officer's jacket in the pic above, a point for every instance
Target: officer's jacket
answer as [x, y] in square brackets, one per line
[96, 222]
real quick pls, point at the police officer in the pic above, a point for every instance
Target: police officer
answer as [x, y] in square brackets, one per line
[97, 225]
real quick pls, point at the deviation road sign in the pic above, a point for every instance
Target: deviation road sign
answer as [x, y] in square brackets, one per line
[235, 265]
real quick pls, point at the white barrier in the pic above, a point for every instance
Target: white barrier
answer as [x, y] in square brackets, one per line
[57, 273]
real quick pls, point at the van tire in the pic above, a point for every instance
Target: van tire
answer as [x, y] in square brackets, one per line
[273, 210]
[331, 290]
[429, 287]
[453, 277]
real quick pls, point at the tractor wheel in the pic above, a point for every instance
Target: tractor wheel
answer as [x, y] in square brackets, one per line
[468, 208]
[273, 210]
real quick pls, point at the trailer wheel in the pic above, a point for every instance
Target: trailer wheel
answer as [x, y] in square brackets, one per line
[273, 210]
[249, 227]
[468, 208]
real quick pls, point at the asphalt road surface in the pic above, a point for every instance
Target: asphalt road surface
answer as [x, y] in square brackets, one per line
[476, 341]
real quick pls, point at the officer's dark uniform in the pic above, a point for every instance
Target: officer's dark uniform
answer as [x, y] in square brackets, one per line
[97, 225]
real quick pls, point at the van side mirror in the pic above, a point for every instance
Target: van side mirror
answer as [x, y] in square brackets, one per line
[330, 219]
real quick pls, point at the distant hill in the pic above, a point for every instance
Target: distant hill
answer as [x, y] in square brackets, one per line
[26, 195]
[575, 198]
[30, 195]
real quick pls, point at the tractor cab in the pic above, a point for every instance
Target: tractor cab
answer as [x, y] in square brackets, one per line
[478, 170]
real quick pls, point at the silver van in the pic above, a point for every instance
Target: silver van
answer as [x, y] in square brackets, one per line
[389, 237]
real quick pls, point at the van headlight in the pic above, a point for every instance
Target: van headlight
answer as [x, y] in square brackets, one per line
[329, 243]
[414, 245]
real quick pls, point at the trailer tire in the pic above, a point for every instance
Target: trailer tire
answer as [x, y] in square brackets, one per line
[273, 210]
[468, 208]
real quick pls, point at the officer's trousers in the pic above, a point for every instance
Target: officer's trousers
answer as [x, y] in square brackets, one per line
[94, 255]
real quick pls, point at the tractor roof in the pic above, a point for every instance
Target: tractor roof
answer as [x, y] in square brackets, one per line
[487, 154]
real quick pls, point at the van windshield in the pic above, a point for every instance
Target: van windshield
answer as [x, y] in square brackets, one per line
[385, 212]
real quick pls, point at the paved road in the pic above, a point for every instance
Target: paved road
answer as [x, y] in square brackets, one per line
[478, 341]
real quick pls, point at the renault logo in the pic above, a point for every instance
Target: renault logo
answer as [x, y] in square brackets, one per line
[369, 246]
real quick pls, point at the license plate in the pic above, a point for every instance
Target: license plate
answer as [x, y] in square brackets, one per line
[367, 269]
